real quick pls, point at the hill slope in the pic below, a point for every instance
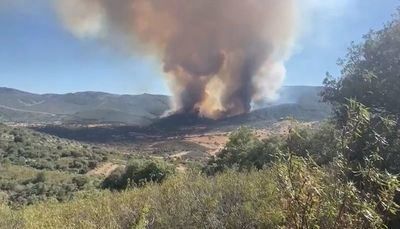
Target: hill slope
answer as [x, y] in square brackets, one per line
[36, 167]
[301, 102]
[82, 107]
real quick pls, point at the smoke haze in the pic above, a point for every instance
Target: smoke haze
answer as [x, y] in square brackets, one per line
[219, 56]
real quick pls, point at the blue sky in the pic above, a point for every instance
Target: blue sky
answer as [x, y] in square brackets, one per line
[37, 54]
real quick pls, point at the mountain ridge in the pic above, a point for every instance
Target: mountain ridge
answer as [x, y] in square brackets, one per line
[92, 107]
[89, 106]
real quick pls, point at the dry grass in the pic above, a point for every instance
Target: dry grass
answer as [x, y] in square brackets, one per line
[103, 170]
[185, 201]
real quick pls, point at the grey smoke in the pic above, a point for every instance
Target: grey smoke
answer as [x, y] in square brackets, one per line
[219, 56]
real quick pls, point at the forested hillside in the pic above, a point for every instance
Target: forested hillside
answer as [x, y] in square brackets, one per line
[37, 167]
[83, 107]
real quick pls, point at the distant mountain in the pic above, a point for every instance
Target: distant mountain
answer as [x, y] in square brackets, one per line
[261, 117]
[300, 102]
[82, 107]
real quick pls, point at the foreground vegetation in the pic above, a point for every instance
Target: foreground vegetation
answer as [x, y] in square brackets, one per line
[257, 199]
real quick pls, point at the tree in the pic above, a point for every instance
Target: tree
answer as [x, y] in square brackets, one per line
[370, 74]
[244, 151]
[371, 77]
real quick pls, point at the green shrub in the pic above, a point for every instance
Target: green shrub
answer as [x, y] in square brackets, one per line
[137, 173]
[243, 152]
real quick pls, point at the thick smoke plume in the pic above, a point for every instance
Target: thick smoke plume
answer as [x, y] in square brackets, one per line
[219, 56]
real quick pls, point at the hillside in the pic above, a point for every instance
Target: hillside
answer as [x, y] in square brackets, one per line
[103, 108]
[36, 167]
[82, 107]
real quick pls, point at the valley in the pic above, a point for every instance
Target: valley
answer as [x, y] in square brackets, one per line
[34, 155]
[80, 139]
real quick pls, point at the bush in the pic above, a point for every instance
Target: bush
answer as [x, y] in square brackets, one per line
[80, 181]
[40, 178]
[137, 173]
[18, 139]
[243, 152]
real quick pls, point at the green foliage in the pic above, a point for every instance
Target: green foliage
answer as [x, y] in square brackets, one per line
[293, 193]
[357, 156]
[229, 200]
[26, 186]
[350, 165]
[35, 167]
[320, 144]
[364, 159]
[244, 151]
[24, 147]
[367, 113]
[313, 197]
[137, 173]
[370, 73]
